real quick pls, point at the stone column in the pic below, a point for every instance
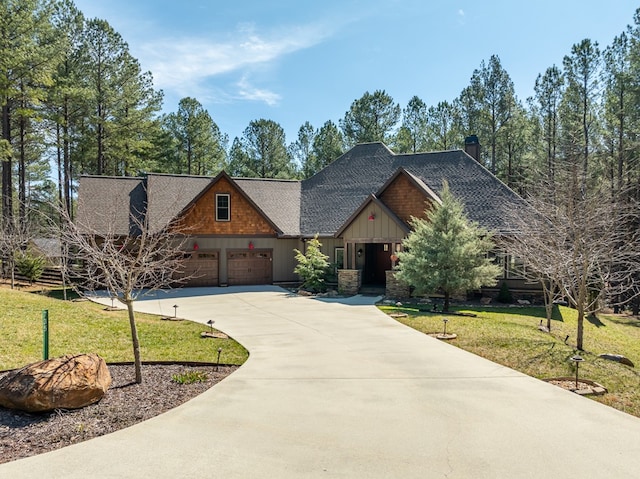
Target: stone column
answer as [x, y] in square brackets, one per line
[395, 288]
[349, 281]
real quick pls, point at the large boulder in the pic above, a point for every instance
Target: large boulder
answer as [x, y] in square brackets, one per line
[67, 382]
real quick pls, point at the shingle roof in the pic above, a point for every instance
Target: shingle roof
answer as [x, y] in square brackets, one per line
[278, 199]
[320, 204]
[331, 196]
[169, 195]
[105, 202]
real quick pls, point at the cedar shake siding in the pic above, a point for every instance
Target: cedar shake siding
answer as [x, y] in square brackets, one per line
[404, 198]
[200, 218]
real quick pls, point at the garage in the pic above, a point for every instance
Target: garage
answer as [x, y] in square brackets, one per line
[202, 268]
[249, 267]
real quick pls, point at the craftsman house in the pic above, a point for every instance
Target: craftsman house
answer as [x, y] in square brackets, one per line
[244, 230]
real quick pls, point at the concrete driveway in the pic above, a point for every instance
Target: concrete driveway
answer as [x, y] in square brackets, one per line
[335, 390]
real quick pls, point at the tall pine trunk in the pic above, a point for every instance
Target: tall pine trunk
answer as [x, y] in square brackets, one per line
[7, 199]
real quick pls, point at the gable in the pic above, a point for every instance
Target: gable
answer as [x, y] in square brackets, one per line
[245, 218]
[405, 199]
[373, 220]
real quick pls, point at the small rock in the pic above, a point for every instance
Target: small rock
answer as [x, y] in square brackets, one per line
[398, 304]
[485, 300]
[619, 358]
[524, 302]
[67, 382]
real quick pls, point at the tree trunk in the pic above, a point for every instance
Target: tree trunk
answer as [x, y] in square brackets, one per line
[445, 307]
[7, 198]
[134, 339]
[580, 335]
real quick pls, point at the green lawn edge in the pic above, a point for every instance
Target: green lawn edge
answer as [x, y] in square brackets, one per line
[77, 327]
[510, 336]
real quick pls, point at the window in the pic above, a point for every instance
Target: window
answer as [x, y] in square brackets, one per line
[223, 207]
[515, 268]
[339, 256]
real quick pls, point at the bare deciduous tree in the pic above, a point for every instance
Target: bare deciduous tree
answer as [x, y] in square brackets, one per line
[127, 266]
[577, 250]
[14, 237]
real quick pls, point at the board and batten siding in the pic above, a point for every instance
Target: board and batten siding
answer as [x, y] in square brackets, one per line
[381, 228]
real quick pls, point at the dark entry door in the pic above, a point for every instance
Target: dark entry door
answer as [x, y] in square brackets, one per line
[377, 261]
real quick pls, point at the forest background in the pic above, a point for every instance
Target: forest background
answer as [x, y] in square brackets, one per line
[74, 100]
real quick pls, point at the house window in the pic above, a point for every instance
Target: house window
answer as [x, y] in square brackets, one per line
[515, 268]
[223, 207]
[339, 257]
[499, 258]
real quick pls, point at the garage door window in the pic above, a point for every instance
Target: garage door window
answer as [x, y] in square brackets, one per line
[223, 207]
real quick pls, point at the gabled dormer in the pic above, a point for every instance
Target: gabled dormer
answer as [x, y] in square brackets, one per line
[223, 208]
[407, 195]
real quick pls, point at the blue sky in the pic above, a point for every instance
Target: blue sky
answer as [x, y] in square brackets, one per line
[293, 61]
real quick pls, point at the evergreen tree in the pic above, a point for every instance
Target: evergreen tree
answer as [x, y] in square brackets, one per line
[446, 252]
[549, 89]
[27, 60]
[122, 104]
[578, 112]
[441, 131]
[302, 153]
[261, 152]
[328, 145]
[486, 108]
[198, 143]
[372, 117]
[414, 126]
[312, 266]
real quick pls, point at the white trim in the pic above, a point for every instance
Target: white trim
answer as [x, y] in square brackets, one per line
[228, 207]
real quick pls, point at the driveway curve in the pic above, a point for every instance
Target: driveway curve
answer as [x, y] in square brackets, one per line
[336, 389]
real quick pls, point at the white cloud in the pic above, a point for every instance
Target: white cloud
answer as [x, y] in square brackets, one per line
[184, 65]
[246, 91]
[461, 12]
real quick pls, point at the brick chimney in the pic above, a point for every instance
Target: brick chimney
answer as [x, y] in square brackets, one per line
[472, 147]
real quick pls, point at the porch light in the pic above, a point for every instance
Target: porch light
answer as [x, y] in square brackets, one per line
[359, 252]
[372, 216]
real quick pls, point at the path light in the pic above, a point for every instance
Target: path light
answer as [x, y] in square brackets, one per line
[210, 323]
[576, 359]
[112, 299]
[175, 310]
[445, 321]
[218, 360]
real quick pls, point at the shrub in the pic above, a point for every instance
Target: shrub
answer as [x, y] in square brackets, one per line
[312, 267]
[190, 377]
[29, 265]
[504, 296]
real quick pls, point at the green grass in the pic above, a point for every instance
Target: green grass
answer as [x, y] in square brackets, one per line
[85, 327]
[510, 336]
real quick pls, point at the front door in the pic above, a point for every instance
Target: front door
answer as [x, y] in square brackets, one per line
[377, 261]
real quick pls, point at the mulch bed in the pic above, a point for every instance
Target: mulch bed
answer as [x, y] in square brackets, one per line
[125, 404]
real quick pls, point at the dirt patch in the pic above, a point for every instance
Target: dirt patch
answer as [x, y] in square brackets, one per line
[125, 404]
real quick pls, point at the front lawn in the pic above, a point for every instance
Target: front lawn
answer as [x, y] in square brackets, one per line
[85, 327]
[510, 336]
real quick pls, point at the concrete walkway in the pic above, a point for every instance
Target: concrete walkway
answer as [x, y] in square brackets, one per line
[334, 390]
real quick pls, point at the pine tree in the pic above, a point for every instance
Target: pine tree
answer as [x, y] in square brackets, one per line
[446, 252]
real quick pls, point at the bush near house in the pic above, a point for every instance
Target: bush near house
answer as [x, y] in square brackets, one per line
[312, 267]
